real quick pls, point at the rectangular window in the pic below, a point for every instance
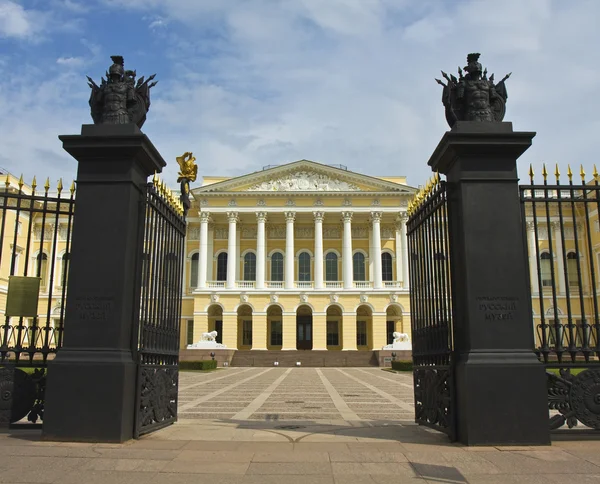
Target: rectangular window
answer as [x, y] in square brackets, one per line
[219, 330]
[276, 333]
[190, 331]
[247, 333]
[331, 267]
[304, 267]
[361, 333]
[333, 333]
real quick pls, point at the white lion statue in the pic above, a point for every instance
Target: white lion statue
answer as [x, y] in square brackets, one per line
[400, 337]
[210, 336]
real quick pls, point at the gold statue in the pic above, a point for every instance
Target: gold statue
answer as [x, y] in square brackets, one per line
[187, 166]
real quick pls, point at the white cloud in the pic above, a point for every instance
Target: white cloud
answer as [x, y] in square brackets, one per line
[70, 61]
[259, 82]
[15, 21]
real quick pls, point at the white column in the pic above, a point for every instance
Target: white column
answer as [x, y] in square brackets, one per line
[261, 250]
[376, 220]
[231, 249]
[211, 252]
[238, 259]
[559, 258]
[371, 258]
[399, 249]
[535, 288]
[347, 275]
[318, 249]
[404, 239]
[289, 249]
[203, 256]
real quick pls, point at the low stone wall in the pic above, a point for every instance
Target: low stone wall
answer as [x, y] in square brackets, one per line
[221, 355]
[385, 357]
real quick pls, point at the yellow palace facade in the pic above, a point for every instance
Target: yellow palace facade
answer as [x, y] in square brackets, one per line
[302, 256]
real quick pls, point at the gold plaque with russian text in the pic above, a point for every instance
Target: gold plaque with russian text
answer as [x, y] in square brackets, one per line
[23, 295]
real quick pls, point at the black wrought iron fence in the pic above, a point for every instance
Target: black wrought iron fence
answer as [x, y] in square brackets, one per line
[563, 241]
[156, 343]
[431, 308]
[35, 236]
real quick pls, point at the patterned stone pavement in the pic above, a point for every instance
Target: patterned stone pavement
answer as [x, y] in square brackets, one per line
[344, 426]
[291, 394]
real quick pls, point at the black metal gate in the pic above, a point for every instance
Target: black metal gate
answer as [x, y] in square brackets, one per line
[35, 238]
[431, 308]
[156, 344]
[563, 243]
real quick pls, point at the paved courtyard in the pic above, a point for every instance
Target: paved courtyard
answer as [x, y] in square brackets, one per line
[297, 426]
[306, 394]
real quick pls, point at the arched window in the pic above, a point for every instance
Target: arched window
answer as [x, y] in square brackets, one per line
[304, 267]
[277, 266]
[386, 267]
[41, 267]
[64, 269]
[194, 270]
[572, 262]
[222, 266]
[358, 266]
[250, 267]
[331, 267]
[546, 269]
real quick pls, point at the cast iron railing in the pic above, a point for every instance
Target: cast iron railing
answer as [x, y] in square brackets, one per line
[562, 236]
[156, 343]
[431, 308]
[35, 231]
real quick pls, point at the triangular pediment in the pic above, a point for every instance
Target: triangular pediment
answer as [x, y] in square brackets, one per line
[304, 176]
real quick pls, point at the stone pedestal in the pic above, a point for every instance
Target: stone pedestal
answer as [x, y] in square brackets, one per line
[500, 385]
[91, 387]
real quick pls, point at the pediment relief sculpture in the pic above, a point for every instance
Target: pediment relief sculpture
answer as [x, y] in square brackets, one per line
[304, 180]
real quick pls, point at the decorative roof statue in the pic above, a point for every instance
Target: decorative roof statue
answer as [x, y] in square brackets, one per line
[473, 97]
[188, 170]
[118, 99]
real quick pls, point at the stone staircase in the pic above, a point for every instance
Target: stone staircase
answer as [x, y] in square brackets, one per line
[306, 358]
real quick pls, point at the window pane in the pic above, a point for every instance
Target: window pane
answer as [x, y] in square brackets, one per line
[194, 270]
[190, 331]
[277, 266]
[386, 267]
[361, 333]
[304, 267]
[390, 328]
[358, 263]
[276, 333]
[65, 269]
[250, 267]
[331, 267]
[546, 269]
[333, 335]
[247, 332]
[222, 267]
[572, 269]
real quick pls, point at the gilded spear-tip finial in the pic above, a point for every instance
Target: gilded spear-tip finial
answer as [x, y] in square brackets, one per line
[582, 174]
[544, 172]
[33, 184]
[155, 179]
[59, 186]
[569, 173]
[7, 181]
[531, 174]
[21, 182]
[72, 189]
[595, 174]
[47, 184]
[556, 173]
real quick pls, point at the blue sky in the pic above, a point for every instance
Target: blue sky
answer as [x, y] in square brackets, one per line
[249, 83]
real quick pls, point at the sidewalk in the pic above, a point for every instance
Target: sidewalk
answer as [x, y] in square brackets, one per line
[336, 451]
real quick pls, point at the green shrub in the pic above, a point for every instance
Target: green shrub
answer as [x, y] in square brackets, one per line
[402, 365]
[198, 365]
